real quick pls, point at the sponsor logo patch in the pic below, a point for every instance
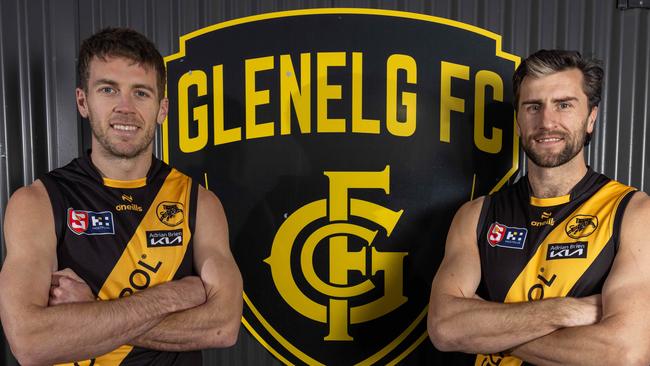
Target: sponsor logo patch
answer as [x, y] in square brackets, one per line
[129, 206]
[506, 237]
[581, 226]
[170, 213]
[567, 250]
[164, 238]
[545, 219]
[82, 222]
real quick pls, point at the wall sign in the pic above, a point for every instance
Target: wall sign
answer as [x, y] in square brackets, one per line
[341, 142]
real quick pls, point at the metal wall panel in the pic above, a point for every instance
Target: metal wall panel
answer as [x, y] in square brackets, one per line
[40, 130]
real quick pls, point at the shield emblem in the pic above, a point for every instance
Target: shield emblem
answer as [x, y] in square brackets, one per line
[341, 142]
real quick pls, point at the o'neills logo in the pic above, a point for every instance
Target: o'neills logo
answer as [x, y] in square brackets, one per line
[129, 207]
[545, 219]
[340, 142]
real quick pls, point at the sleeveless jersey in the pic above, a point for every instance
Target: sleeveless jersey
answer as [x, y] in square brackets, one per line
[124, 236]
[533, 248]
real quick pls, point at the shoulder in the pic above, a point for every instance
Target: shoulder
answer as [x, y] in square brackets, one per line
[469, 212]
[29, 197]
[637, 211]
[209, 207]
[29, 221]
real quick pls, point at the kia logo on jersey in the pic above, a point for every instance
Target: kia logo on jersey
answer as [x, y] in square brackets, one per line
[82, 222]
[506, 237]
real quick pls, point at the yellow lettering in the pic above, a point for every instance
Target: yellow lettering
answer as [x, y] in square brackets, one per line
[290, 93]
[327, 92]
[409, 100]
[221, 135]
[486, 78]
[360, 124]
[186, 143]
[256, 97]
[448, 102]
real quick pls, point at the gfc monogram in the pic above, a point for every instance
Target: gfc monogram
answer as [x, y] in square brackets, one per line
[345, 302]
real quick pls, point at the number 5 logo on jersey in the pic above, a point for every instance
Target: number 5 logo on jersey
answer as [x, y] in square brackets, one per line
[82, 222]
[507, 237]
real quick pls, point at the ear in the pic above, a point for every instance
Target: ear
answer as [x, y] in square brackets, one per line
[162, 110]
[82, 102]
[517, 125]
[591, 119]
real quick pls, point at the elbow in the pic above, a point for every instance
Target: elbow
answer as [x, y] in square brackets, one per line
[224, 337]
[441, 336]
[633, 355]
[25, 353]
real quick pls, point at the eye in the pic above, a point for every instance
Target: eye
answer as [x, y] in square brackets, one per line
[564, 105]
[533, 108]
[141, 94]
[107, 90]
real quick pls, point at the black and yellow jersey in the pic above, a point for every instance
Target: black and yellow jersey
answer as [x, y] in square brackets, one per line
[124, 236]
[534, 248]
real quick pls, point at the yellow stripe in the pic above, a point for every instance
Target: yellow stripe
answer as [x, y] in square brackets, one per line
[548, 202]
[603, 205]
[176, 188]
[114, 183]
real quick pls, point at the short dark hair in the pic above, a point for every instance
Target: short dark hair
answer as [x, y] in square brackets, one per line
[120, 42]
[546, 62]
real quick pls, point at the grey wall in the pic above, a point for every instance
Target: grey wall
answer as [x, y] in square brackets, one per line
[39, 39]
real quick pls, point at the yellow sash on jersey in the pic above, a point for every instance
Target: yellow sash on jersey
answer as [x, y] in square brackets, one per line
[159, 263]
[542, 278]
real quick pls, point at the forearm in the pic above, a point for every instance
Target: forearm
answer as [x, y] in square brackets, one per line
[94, 328]
[192, 329]
[477, 326]
[214, 324]
[609, 342]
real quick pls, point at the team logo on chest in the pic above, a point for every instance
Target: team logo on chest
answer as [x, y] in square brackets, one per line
[581, 226]
[82, 222]
[507, 237]
[170, 213]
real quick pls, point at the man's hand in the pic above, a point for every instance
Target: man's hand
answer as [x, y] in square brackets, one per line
[67, 287]
[584, 311]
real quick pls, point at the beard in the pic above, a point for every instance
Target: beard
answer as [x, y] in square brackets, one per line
[573, 146]
[119, 148]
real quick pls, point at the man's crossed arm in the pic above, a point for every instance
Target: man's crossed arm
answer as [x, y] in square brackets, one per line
[550, 331]
[191, 313]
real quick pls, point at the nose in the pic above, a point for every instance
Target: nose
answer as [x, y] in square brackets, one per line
[124, 104]
[549, 117]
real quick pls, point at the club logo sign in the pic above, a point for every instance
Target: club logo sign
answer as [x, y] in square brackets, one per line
[341, 142]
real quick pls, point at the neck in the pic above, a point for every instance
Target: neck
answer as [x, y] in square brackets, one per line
[557, 181]
[119, 168]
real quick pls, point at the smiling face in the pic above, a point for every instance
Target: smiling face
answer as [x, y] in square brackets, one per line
[554, 118]
[123, 106]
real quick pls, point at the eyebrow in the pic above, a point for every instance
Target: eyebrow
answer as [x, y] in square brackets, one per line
[554, 101]
[114, 83]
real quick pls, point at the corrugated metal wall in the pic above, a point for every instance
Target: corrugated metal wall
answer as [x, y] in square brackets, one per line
[39, 39]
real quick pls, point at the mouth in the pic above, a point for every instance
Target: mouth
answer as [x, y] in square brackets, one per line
[545, 140]
[124, 127]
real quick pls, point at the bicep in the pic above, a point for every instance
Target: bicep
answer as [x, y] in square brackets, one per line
[31, 252]
[626, 292]
[459, 273]
[212, 256]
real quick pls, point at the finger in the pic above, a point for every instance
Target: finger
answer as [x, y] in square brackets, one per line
[71, 274]
[55, 279]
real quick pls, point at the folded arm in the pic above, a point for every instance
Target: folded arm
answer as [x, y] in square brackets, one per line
[622, 337]
[459, 320]
[216, 322]
[42, 334]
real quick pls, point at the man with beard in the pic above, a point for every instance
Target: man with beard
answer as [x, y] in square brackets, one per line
[552, 270]
[117, 258]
